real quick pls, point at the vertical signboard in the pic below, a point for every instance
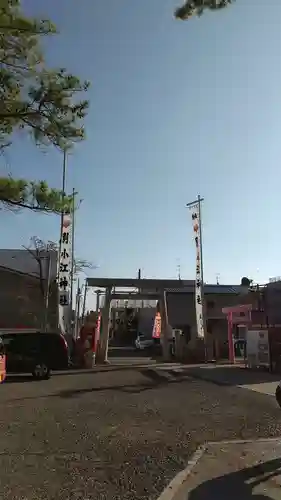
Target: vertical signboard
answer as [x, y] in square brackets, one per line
[198, 273]
[64, 273]
[258, 348]
[97, 332]
[156, 333]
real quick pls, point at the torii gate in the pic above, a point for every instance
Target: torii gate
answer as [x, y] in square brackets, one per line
[236, 315]
[152, 289]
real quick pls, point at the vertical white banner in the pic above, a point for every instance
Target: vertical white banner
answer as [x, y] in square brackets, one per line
[198, 274]
[64, 274]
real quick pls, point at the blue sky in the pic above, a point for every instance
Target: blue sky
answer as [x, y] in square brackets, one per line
[176, 109]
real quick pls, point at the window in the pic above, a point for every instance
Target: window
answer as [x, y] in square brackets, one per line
[210, 304]
[11, 344]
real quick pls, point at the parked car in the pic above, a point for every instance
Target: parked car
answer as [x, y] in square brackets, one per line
[36, 353]
[143, 342]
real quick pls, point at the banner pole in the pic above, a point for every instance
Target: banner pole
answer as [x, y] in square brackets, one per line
[62, 197]
[202, 277]
[197, 226]
[71, 322]
[61, 230]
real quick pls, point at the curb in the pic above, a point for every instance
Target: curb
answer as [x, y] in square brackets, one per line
[174, 486]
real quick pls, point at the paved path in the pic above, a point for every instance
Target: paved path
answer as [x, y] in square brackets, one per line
[268, 388]
[117, 432]
[241, 471]
[254, 380]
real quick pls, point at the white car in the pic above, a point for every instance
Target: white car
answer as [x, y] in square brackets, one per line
[143, 342]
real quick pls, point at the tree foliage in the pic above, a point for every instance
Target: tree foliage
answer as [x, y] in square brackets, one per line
[197, 7]
[41, 247]
[37, 196]
[246, 281]
[32, 97]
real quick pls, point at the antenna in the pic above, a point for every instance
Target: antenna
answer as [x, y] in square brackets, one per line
[179, 271]
[218, 278]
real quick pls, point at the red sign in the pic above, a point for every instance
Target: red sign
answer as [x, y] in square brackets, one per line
[97, 332]
[157, 326]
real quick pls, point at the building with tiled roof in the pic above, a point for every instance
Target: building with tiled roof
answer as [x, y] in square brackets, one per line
[181, 311]
[22, 286]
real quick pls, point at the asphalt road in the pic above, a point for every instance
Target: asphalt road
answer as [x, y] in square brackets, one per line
[118, 433]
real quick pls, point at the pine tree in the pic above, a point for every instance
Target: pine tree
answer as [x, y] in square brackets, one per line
[35, 99]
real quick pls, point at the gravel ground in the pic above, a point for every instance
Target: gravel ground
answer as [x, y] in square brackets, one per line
[117, 433]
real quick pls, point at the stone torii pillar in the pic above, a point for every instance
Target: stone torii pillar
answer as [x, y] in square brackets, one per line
[164, 326]
[105, 324]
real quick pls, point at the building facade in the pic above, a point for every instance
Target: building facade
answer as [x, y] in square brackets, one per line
[180, 300]
[181, 314]
[23, 285]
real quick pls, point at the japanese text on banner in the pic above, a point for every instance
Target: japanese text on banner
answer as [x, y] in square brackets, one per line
[64, 273]
[198, 273]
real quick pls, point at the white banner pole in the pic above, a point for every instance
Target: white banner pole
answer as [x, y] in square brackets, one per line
[195, 206]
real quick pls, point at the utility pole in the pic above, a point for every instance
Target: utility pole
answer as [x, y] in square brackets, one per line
[179, 272]
[71, 324]
[140, 289]
[77, 309]
[84, 301]
[48, 284]
[197, 204]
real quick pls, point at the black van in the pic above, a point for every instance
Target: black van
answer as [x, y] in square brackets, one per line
[37, 353]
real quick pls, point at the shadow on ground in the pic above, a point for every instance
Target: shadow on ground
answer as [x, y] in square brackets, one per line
[17, 378]
[232, 375]
[155, 380]
[129, 352]
[243, 484]
[98, 369]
